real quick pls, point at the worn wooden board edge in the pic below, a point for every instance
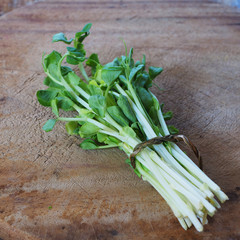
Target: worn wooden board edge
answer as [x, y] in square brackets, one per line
[8, 5]
[6, 229]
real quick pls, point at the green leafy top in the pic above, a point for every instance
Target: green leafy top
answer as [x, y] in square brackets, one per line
[97, 97]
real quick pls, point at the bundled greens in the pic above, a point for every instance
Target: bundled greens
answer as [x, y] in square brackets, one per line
[115, 108]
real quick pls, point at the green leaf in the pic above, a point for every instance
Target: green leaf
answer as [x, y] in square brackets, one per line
[49, 82]
[79, 46]
[98, 104]
[144, 60]
[130, 54]
[85, 113]
[130, 59]
[112, 141]
[80, 52]
[137, 63]
[160, 130]
[60, 37]
[110, 74]
[65, 103]
[88, 130]
[126, 108]
[93, 61]
[72, 78]
[146, 98]
[156, 104]
[161, 106]
[52, 58]
[50, 63]
[80, 36]
[128, 131]
[167, 115]
[86, 28]
[154, 72]
[168, 146]
[134, 71]
[94, 90]
[123, 79]
[149, 82]
[153, 114]
[141, 80]
[88, 144]
[48, 126]
[172, 129]
[46, 96]
[117, 114]
[71, 127]
[54, 107]
[156, 129]
[138, 129]
[67, 94]
[54, 72]
[74, 60]
[65, 70]
[114, 63]
[122, 60]
[110, 100]
[101, 137]
[98, 74]
[84, 86]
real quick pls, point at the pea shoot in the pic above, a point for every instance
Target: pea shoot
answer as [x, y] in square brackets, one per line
[113, 107]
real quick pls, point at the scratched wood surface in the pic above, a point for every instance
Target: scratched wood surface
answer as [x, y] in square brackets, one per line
[49, 187]
[9, 5]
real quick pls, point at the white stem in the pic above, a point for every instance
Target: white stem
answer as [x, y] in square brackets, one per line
[160, 148]
[195, 170]
[196, 199]
[100, 125]
[183, 207]
[116, 135]
[183, 223]
[182, 180]
[82, 92]
[109, 119]
[82, 70]
[161, 119]
[153, 181]
[188, 222]
[71, 119]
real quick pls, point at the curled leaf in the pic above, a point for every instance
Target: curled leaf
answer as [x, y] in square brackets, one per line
[154, 72]
[60, 37]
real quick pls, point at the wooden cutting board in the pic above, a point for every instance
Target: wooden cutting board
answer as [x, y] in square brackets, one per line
[49, 187]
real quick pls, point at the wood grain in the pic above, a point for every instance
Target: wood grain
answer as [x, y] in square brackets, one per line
[94, 194]
[9, 5]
